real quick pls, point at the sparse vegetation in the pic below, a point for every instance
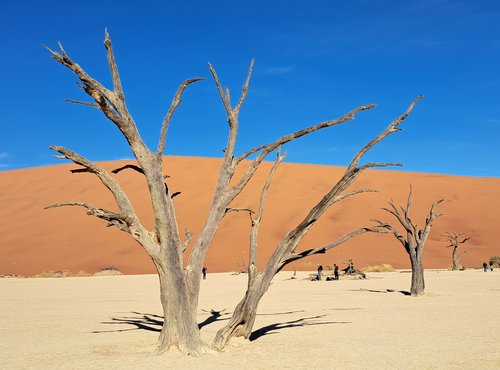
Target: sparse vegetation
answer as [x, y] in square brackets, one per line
[54, 274]
[83, 273]
[384, 267]
[495, 260]
[107, 271]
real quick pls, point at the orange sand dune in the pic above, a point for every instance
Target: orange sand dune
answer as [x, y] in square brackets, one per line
[33, 239]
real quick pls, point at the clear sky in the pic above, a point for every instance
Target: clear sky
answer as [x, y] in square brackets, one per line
[314, 60]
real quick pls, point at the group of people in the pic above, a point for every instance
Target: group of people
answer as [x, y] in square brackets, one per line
[485, 266]
[335, 273]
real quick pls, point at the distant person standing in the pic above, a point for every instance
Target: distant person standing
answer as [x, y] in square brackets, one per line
[485, 267]
[204, 272]
[320, 270]
[491, 265]
[335, 272]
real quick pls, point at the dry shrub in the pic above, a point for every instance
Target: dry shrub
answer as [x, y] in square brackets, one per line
[495, 260]
[384, 267]
[9, 276]
[108, 271]
[83, 273]
[54, 274]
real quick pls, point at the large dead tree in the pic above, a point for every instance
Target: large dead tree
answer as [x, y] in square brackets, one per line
[455, 241]
[179, 282]
[414, 242]
[243, 318]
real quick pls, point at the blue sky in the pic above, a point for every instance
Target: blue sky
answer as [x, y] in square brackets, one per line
[314, 60]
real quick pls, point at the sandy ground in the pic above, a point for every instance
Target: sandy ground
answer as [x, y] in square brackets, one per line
[112, 322]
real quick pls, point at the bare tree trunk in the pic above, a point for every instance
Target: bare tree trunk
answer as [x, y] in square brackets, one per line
[243, 318]
[417, 276]
[180, 327]
[455, 260]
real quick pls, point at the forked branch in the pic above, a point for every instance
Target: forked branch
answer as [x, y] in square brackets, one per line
[107, 180]
[116, 219]
[166, 121]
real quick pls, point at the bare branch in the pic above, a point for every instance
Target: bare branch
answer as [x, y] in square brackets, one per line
[107, 180]
[95, 105]
[294, 237]
[185, 244]
[245, 87]
[355, 192]
[254, 231]
[324, 248]
[393, 127]
[464, 240]
[117, 84]
[402, 220]
[224, 97]
[114, 218]
[374, 164]
[166, 121]
[268, 148]
[110, 103]
[385, 228]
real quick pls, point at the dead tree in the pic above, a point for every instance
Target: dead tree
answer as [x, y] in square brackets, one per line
[179, 282]
[243, 318]
[414, 242]
[350, 270]
[455, 241]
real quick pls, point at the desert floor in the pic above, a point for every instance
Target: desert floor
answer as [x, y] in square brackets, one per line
[112, 322]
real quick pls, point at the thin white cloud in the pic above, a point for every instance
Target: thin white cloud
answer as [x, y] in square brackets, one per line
[4, 155]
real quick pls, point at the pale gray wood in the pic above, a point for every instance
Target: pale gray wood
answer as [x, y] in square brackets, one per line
[415, 239]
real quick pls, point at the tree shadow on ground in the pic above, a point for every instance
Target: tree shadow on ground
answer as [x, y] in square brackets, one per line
[142, 321]
[304, 321]
[404, 292]
[214, 316]
[152, 322]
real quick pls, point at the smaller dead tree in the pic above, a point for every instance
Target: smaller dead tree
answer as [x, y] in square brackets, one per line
[455, 241]
[415, 238]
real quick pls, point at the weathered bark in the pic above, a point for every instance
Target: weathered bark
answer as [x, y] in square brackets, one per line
[243, 318]
[241, 323]
[455, 260]
[417, 276]
[414, 242]
[180, 328]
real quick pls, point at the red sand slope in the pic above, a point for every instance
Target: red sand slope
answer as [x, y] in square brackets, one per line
[33, 239]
